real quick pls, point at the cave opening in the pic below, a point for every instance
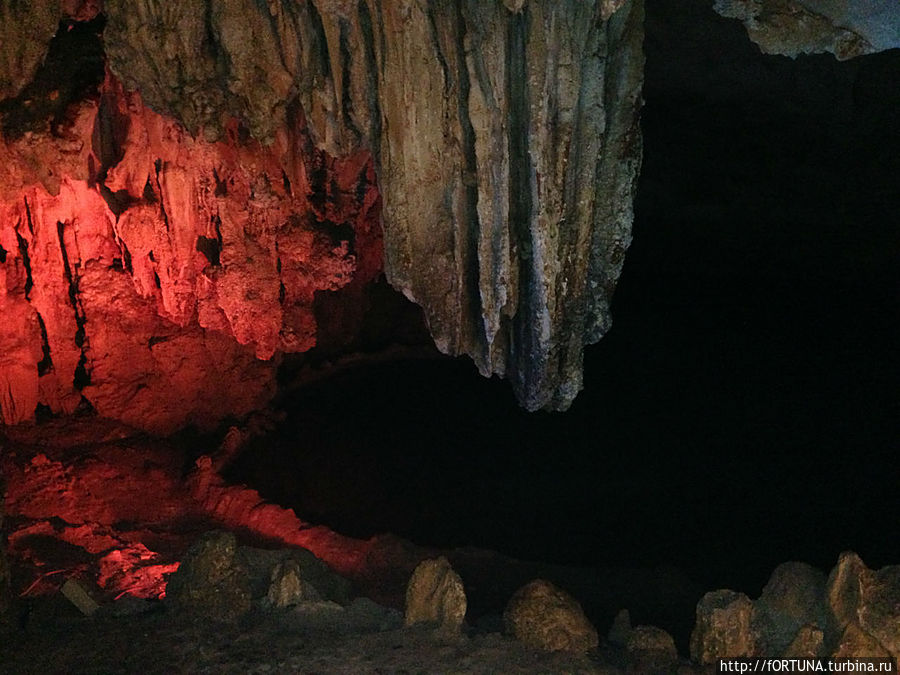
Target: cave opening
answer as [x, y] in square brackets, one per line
[743, 409]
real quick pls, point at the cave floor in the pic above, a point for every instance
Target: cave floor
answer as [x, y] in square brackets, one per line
[116, 511]
[285, 641]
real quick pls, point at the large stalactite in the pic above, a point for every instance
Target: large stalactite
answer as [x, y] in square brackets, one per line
[182, 179]
[506, 137]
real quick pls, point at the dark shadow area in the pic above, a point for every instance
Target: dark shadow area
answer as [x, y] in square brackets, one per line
[745, 408]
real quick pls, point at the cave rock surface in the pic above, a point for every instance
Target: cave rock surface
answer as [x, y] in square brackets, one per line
[845, 28]
[505, 135]
[142, 268]
[167, 218]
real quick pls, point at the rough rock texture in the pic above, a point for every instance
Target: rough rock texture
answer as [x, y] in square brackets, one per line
[809, 642]
[435, 595]
[652, 649]
[291, 576]
[546, 617]
[211, 582]
[19, 59]
[141, 268]
[846, 28]
[865, 604]
[723, 628]
[620, 629]
[151, 254]
[287, 588]
[856, 613]
[794, 597]
[4, 565]
[506, 137]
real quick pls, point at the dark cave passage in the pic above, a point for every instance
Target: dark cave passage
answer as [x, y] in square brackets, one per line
[743, 410]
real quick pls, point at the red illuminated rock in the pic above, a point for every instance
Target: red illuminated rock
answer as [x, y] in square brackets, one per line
[505, 135]
[506, 142]
[143, 269]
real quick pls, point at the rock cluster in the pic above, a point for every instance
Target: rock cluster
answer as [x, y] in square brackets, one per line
[546, 617]
[854, 612]
[218, 579]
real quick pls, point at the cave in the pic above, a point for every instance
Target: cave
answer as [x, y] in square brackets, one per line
[240, 295]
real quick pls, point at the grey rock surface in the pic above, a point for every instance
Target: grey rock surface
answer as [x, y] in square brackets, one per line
[546, 617]
[506, 137]
[845, 28]
[435, 596]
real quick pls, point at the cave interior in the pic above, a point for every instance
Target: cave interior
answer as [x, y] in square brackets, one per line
[742, 411]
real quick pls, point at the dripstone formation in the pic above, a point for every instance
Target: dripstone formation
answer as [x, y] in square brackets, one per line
[205, 168]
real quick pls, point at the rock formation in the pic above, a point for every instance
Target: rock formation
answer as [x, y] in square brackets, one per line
[211, 582]
[723, 628]
[435, 595]
[4, 565]
[142, 268]
[856, 613]
[546, 617]
[166, 223]
[842, 27]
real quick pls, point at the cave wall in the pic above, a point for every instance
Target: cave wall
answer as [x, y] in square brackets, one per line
[184, 178]
[505, 134]
[143, 269]
[845, 28]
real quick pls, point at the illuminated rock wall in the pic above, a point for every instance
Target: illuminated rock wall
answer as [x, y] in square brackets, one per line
[164, 238]
[157, 276]
[506, 136]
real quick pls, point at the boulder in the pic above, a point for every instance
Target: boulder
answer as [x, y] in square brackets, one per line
[809, 642]
[724, 627]
[794, 597]
[211, 582]
[866, 603]
[856, 643]
[291, 576]
[651, 649]
[287, 587]
[620, 629]
[435, 595]
[546, 617]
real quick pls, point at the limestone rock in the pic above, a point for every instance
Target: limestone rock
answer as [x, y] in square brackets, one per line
[845, 588]
[793, 597]
[19, 59]
[287, 588]
[724, 627]
[843, 27]
[867, 600]
[856, 643]
[4, 564]
[620, 629]
[651, 649]
[809, 642]
[435, 595]
[284, 577]
[210, 582]
[505, 135]
[546, 617]
[153, 267]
